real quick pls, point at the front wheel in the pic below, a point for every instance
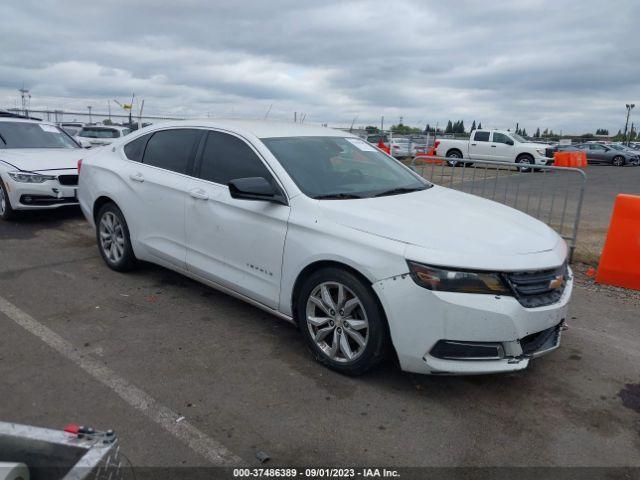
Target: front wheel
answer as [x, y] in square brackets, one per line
[341, 321]
[618, 161]
[6, 210]
[525, 162]
[113, 239]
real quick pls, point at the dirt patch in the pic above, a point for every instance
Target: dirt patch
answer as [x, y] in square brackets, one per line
[588, 282]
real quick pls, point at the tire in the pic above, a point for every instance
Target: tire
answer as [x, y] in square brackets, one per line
[360, 322]
[523, 160]
[112, 235]
[618, 161]
[6, 210]
[455, 155]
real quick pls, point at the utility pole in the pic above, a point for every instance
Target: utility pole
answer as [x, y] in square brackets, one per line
[630, 107]
[295, 117]
[109, 108]
[25, 95]
[89, 107]
[382, 123]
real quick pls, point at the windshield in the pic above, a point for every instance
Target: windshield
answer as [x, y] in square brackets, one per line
[99, 133]
[33, 135]
[335, 167]
[518, 138]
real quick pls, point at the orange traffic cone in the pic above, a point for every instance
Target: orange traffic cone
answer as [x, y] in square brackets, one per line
[620, 259]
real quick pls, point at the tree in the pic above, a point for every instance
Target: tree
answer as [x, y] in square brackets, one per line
[371, 129]
[473, 126]
[537, 134]
[401, 129]
[449, 128]
[524, 132]
[480, 126]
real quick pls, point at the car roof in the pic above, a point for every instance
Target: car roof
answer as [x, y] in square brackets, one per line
[260, 128]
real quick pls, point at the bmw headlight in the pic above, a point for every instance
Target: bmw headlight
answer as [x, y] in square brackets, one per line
[27, 177]
[444, 280]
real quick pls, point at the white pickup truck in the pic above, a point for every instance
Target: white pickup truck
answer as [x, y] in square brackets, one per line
[494, 145]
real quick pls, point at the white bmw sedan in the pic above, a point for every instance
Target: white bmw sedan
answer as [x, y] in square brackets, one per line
[38, 167]
[321, 228]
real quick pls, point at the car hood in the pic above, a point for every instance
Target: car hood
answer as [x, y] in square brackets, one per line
[444, 225]
[42, 159]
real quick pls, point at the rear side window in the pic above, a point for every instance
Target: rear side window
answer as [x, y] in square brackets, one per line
[135, 149]
[172, 149]
[481, 137]
[226, 158]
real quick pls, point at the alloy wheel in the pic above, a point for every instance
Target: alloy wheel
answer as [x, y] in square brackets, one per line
[112, 237]
[337, 321]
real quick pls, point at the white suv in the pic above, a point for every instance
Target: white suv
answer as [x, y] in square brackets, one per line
[323, 229]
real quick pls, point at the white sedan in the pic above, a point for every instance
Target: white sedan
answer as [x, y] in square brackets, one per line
[38, 167]
[323, 229]
[100, 135]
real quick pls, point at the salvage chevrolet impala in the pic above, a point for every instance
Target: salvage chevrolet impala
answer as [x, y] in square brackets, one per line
[323, 229]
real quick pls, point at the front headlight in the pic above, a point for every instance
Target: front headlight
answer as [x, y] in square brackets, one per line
[541, 151]
[26, 177]
[443, 280]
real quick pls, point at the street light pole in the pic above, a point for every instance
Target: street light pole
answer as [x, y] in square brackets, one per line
[629, 106]
[89, 107]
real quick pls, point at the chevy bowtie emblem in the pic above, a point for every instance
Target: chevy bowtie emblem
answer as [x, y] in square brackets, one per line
[557, 282]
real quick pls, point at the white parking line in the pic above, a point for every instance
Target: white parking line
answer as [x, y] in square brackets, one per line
[199, 442]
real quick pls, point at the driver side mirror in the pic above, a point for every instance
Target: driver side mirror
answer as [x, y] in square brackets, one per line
[509, 142]
[255, 188]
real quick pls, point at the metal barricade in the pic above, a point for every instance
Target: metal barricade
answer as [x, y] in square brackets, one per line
[551, 194]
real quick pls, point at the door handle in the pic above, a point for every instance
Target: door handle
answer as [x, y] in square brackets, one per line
[199, 194]
[473, 144]
[137, 177]
[493, 146]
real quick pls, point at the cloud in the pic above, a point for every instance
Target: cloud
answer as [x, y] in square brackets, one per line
[564, 65]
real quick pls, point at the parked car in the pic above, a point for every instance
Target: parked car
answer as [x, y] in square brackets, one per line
[495, 145]
[400, 147]
[376, 137]
[98, 135]
[320, 228]
[38, 167]
[597, 153]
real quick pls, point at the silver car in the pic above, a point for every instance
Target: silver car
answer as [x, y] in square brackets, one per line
[607, 154]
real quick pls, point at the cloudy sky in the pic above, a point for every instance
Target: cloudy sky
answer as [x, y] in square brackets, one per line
[566, 65]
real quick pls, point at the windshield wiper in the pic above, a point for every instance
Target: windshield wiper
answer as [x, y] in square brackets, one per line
[337, 196]
[400, 190]
[3, 140]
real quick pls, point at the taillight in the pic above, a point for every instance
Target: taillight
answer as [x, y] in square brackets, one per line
[79, 166]
[436, 143]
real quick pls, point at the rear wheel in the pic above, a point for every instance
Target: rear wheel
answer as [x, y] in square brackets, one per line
[113, 239]
[454, 157]
[6, 210]
[618, 161]
[341, 321]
